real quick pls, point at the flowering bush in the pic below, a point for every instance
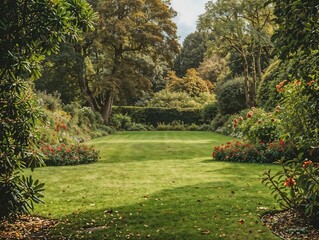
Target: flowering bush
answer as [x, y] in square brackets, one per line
[258, 126]
[296, 186]
[253, 153]
[61, 155]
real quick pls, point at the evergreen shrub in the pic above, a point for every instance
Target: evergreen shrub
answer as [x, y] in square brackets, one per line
[231, 96]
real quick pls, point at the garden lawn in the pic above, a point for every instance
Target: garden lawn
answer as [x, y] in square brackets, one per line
[157, 185]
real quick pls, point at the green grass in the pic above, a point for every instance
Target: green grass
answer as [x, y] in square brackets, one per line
[159, 185]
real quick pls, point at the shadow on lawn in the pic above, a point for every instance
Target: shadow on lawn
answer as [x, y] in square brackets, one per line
[204, 211]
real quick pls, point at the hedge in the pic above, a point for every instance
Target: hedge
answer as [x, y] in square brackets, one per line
[155, 115]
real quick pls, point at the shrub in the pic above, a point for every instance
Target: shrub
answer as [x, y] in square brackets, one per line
[137, 127]
[205, 127]
[61, 155]
[231, 96]
[121, 121]
[296, 186]
[174, 126]
[193, 127]
[228, 127]
[299, 113]
[51, 102]
[252, 153]
[87, 117]
[267, 96]
[258, 126]
[219, 121]
[209, 112]
[72, 109]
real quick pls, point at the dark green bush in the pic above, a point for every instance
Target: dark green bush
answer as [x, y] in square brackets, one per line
[231, 96]
[153, 116]
[219, 121]
[121, 121]
[267, 95]
[209, 112]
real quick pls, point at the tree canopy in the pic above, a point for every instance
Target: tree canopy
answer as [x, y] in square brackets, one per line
[242, 26]
[132, 37]
[192, 53]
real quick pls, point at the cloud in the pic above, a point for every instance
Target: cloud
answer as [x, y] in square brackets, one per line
[187, 15]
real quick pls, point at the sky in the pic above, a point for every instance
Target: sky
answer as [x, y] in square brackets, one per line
[187, 15]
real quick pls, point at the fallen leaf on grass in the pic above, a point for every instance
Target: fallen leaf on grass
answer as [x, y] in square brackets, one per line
[206, 232]
[241, 221]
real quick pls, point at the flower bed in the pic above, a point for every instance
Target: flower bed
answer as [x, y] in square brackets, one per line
[61, 155]
[237, 151]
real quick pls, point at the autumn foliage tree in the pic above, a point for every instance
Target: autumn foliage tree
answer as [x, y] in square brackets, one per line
[191, 83]
[132, 38]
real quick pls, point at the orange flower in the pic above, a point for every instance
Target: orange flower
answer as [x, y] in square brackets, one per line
[250, 114]
[280, 86]
[311, 82]
[307, 163]
[290, 182]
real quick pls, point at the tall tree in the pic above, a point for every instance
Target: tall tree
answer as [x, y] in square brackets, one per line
[133, 36]
[192, 53]
[29, 30]
[245, 27]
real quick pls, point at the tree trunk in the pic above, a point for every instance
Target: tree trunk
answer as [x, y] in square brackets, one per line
[246, 76]
[254, 80]
[258, 61]
[107, 109]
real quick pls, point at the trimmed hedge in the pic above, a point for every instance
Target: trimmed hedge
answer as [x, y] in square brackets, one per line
[155, 115]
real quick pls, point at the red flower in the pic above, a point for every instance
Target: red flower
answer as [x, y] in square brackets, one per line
[307, 163]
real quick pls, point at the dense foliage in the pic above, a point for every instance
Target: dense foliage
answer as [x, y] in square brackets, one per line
[297, 44]
[192, 53]
[153, 116]
[28, 32]
[231, 96]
